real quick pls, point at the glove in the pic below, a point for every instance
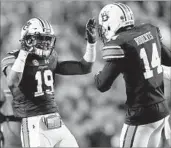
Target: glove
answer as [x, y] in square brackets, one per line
[29, 47]
[28, 44]
[91, 31]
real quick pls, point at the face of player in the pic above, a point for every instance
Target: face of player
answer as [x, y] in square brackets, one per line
[42, 43]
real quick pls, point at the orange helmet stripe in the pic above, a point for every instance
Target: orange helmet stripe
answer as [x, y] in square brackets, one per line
[45, 25]
[117, 4]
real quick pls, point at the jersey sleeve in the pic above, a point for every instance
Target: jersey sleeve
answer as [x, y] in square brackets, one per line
[112, 51]
[73, 67]
[105, 78]
[7, 61]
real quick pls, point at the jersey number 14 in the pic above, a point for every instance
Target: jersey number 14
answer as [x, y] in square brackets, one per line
[149, 65]
[46, 77]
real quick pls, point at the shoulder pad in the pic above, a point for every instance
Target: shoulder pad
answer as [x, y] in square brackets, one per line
[8, 60]
[112, 51]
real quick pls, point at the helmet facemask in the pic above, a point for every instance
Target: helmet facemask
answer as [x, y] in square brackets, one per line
[42, 44]
[106, 32]
[101, 32]
[37, 36]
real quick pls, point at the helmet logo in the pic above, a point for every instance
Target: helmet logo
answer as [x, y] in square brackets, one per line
[105, 16]
[35, 62]
[26, 26]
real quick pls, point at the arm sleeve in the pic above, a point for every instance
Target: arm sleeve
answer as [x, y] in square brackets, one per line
[165, 55]
[104, 79]
[74, 67]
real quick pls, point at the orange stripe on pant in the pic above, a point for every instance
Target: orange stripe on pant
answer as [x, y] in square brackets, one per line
[129, 136]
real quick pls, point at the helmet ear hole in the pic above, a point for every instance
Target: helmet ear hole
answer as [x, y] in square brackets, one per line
[122, 18]
[108, 28]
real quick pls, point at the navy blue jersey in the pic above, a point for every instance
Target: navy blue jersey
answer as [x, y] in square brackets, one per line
[140, 50]
[137, 53]
[35, 94]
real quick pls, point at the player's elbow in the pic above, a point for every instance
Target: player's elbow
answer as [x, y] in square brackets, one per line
[102, 87]
[101, 84]
[87, 68]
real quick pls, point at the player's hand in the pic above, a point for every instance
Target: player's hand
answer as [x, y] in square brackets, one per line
[28, 44]
[91, 31]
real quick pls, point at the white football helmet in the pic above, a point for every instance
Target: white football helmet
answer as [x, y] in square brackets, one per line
[39, 34]
[112, 17]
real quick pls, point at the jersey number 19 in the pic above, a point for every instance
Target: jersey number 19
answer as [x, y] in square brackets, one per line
[46, 77]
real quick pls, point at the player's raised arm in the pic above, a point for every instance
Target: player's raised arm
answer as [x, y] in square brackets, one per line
[13, 68]
[83, 66]
[114, 58]
[104, 79]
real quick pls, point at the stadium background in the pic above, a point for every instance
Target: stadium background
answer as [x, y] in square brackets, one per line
[94, 118]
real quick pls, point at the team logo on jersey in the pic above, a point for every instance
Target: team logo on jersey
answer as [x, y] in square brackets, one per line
[35, 62]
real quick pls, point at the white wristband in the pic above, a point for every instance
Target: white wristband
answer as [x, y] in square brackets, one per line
[90, 54]
[19, 63]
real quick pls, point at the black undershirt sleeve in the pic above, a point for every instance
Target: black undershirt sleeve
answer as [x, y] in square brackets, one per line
[104, 79]
[73, 67]
[165, 56]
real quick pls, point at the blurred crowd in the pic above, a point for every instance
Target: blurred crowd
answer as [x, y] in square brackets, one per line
[94, 118]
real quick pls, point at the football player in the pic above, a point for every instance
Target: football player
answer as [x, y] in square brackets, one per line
[137, 52]
[30, 75]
